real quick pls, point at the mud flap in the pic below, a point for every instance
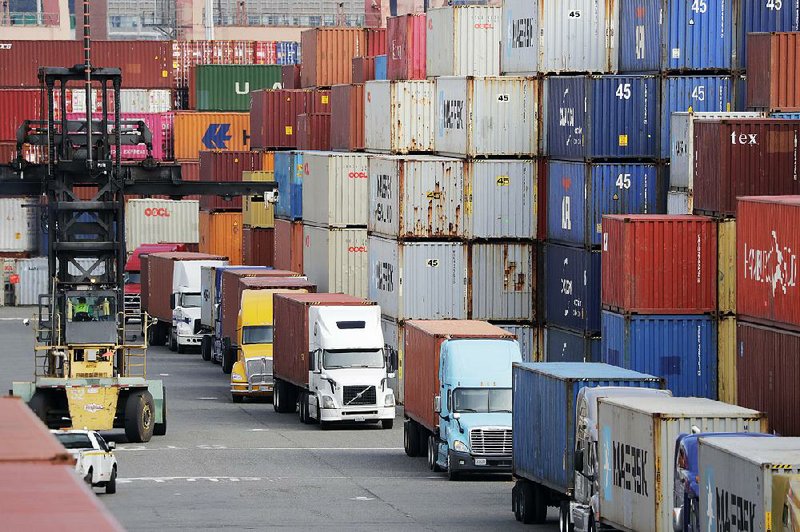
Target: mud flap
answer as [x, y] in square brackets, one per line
[156, 389]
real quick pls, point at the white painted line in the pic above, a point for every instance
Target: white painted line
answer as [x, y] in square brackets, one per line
[13, 319]
[259, 430]
[163, 374]
[362, 498]
[208, 398]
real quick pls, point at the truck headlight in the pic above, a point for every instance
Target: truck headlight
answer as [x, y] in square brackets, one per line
[236, 377]
[327, 402]
[460, 446]
[388, 400]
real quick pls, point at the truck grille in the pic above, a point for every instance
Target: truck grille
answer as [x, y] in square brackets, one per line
[350, 395]
[259, 370]
[490, 441]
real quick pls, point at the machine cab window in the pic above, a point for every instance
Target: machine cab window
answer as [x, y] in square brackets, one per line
[82, 308]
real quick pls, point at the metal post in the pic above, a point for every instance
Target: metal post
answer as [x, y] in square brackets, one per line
[87, 45]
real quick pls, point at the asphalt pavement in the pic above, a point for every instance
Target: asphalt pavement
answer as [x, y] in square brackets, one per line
[243, 466]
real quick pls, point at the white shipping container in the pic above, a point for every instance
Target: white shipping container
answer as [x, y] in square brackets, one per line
[335, 188]
[528, 337]
[336, 259]
[416, 196]
[18, 228]
[503, 281]
[636, 436]
[394, 336]
[208, 289]
[33, 276]
[501, 198]
[399, 116]
[679, 201]
[418, 280]
[546, 36]
[132, 100]
[495, 116]
[463, 41]
[153, 221]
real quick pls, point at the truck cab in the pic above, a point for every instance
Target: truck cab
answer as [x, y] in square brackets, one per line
[186, 302]
[133, 277]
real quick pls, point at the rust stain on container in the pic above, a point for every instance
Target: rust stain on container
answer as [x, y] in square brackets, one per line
[347, 117]
[773, 61]
[327, 55]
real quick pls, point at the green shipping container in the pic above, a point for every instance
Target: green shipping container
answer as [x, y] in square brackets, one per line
[228, 87]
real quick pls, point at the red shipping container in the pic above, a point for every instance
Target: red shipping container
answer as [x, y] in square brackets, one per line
[655, 264]
[314, 131]
[376, 41]
[422, 346]
[265, 53]
[187, 54]
[16, 106]
[190, 171]
[258, 246]
[773, 61]
[273, 117]
[767, 244]
[319, 101]
[767, 373]
[226, 166]
[288, 245]
[363, 69]
[327, 53]
[744, 157]
[290, 76]
[290, 343]
[405, 53]
[347, 117]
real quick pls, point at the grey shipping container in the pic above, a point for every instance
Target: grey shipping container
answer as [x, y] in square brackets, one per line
[529, 338]
[335, 189]
[502, 198]
[503, 281]
[393, 336]
[336, 259]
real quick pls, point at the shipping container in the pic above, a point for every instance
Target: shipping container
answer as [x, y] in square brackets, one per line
[187, 54]
[602, 117]
[744, 157]
[228, 87]
[153, 221]
[328, 54]
[554, 37]
[230, 280]
[649, 427]
[363, 69]
[564, 345]
[572, 288]
[726, 267]
[286, 52]
[288, 245]
[580, 194]
[767, 243]
[503, 281]
[161, 131]
[132, 101]
[258, 246]
[335, 189]
[659, 264]
[463, 41]
[221, 234]
[33, 278]
[16, 106]
[258, 214]
[347, 117]
[289, 172]
[376, 41]
[418, 280]
[196, 132]
[416, 197]
[680, 201]
[394, 337]
[336, 259]
[380, 68]
[764, 17]
[399, 116]
[227, 166]
[773, 60]
[26, 439]
[530, 340]
[495, 116]
[273, 115]
[501, 198]
[290, 77]
[726, 359]
[405, 47]
[20, 227]
[314, 131]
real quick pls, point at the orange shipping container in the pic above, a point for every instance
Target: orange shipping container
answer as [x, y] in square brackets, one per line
[288, 245]
[328, 55]
[196, 132]
[773, 59]
[221, 234]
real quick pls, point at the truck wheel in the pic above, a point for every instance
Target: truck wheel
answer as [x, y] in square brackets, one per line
[539, 508]
[228, 359]
[592, 526]
[89, 477]
[410, 438]
[525, 502]
[565, 518]
[276, 396]
[236, 398]
[40, 404]
[173, 339]
[139, 417]
[433, 453]
[205, 348]
[157, 334]
[515, 491]
[111, 485]
[387, 424]
[452, 475]
[305, 414]
[160, 429]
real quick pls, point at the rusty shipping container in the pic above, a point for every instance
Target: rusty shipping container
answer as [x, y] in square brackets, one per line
[376, 41]
[273, 115]
[290, 344]
[314, 131]
[226, 166]
[405, 47]
[363, 69]
[328, 54]
[290, 77]
[258, 246]
[16, 106]
[767, 246]
[288, 245]
[221, 233]
[774, 60]
[744, 157]
[195, 132]
[654, 264]
[502, 281]
[768, 370]
[347, 117]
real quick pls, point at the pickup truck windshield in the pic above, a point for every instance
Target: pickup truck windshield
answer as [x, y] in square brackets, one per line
[361, 358]
[191, 300]
[75, 441]
[257, 334]
[482, 400]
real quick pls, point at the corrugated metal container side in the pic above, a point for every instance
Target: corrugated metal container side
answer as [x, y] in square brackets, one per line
[20, 226]
[273, 115]
[288, 245]
[226, 166]
[161, 130]
[680, 348]
[503, 281]
[363, 69]
[785, 116]
[132, 101]
[258, 214]
[774, 60]
[572, 288]
[228, 87]
[563, 345]
[187, 54]
[151, 221]
[221, 233]
[726, 266]
[418, 280]
[640, 35]
[376, 41]
[347, 117]
[328, 54]
[602, 117]
[16, 106]
[290, 77]
[289, 171]
[258, 246]
[580, 194]
[530, 340]
[314, 131]
[726, 359]
[380, 67]
[335, 189]
[767, 243]
[336, 259]
[679, 201]
[501, 198]
[735, 158]
[33, 280]
[544, 406]
[394, 337]
[463, 41]
[764, 17]
[659, 264]
[405, 47]
[487, 116]
[700, 38]
[416, 197]
[196, 132]
[410, 108]
[768, 369]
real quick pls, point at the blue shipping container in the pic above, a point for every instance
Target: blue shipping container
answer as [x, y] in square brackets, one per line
[543, 415]
[579, 194]
[380, 67]
[562, 345]
[289, 176]
[764, 16]
[288, 53]
[572, 288]
[602, 117]
[640, 35]
[786, 116]
[680, 348]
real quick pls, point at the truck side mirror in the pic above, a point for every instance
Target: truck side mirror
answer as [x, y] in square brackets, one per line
[311, 359]
[437, 404]
[394, 361]
[172, 301]
[578, 460]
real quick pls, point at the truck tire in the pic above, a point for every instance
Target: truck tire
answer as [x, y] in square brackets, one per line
[111, 485]
[160, 429]
[433, 452]
[205, 348]
[452, 475]
[182, 349]
[515, 491]
[157, 334]
[228, 359]
[387, 424]
[139, 417]
[276, 399]
[411, 438]
[539, 508]
[173, 339]
[565, 518]
[40, 404]
[525, 502]
[305, 415]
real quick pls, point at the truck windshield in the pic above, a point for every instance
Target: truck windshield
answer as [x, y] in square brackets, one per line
[133, 278]
[482, 400]
[257, 334]
[345, 358]
[191, 300]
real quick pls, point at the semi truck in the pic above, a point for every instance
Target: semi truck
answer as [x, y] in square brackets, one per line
[133, 277]
[330, 359]
[457, 379]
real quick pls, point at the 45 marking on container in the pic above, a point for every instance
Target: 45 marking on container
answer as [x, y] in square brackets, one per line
[774, 5]
[623, 91]
[503, 181]
[700, 6]
[624, 181]
[503, 98]
[432, 263]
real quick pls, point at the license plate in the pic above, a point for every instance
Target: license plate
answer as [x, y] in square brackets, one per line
[266, 388]
[359, 418]
[480, 461]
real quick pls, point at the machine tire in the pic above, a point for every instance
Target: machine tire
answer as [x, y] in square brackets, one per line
[410, 438]
[139, 417]
[565, 518]
[40, 404]
[236, 398]
[111, 485]
[324, 425]
[160, 429]
[592, 526]
[228, 359]
[205, 348]
[276, 396]
[387, 424]
[173, 339]
[305, 414]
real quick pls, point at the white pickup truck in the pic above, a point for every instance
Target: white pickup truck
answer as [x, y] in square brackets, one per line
[96, 462]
